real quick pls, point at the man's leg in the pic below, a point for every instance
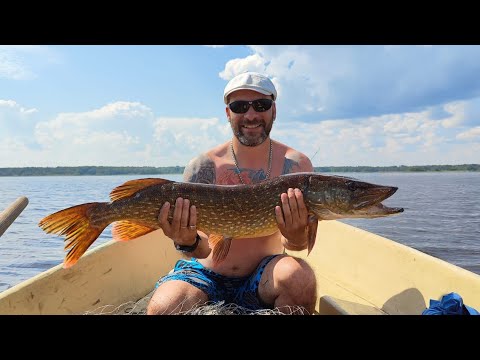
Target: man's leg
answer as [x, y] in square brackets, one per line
[175, 296]
[288, 281]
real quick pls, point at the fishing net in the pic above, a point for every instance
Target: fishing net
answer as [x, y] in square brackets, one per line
[209, 308]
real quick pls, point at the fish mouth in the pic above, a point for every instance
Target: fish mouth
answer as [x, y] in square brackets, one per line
[388, 210]
[374, 196]
[378, 210]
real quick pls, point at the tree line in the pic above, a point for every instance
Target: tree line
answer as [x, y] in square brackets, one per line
[401, 168]
[90, 170]
[150, 170]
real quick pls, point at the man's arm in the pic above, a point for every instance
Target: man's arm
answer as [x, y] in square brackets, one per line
[199, 170]
[296, 162]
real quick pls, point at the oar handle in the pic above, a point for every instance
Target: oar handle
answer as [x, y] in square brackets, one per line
[8, 216]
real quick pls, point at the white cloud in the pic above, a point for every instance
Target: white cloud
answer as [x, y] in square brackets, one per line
[396, 139]
[470, 134]
[14, 106]
[457, 109]
[119, 133]
[178, 140]
[237, 66]
[130, 134]
[362, 81]
[105, 136]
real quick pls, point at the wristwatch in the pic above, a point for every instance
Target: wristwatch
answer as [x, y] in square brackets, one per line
[188, 248]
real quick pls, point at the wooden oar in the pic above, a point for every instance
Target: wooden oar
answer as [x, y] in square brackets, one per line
[8, 216]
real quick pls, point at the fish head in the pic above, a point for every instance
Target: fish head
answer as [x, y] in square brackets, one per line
[335, 197]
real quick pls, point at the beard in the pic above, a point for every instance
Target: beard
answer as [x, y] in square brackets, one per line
[251, 140]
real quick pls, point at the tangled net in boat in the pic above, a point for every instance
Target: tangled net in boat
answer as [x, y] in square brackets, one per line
[209, 308]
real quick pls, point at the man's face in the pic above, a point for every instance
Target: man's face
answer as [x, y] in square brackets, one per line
[252, 127]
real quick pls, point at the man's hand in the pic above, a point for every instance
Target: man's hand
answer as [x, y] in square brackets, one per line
[293, 220]
[182, 230]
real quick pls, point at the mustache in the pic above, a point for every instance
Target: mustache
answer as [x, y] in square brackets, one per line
[252, 122]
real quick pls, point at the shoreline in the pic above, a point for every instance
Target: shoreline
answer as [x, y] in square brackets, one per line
[181, 173]
[175, 170]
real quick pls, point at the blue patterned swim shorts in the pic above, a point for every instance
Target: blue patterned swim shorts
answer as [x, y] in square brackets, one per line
[242, 291]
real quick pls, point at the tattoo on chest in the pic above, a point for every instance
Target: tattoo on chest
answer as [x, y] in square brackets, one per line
[290, 166]
[249, 176]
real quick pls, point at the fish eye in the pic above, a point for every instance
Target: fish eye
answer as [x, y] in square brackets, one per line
[352, 186]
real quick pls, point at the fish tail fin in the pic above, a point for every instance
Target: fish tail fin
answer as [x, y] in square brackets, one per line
[75, 223]
[126, 230]
[220, 246]
[312, 232]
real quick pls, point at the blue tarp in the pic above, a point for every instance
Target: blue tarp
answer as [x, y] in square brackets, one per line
[451, 304]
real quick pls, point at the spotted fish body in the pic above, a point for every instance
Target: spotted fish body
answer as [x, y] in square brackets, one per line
[223, 211]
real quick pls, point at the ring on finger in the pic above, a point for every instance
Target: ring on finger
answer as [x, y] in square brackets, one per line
[192, 227]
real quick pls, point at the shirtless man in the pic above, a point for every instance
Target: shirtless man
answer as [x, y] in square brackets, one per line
[256, 273]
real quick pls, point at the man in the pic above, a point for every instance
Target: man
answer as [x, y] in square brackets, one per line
[256, 272]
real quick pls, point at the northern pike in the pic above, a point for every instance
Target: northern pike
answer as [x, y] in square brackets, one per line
[224, 212]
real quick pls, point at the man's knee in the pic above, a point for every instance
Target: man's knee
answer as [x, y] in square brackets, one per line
[295, 276]
[175, 296]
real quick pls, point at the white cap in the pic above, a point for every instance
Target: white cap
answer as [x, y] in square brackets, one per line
[250, 81]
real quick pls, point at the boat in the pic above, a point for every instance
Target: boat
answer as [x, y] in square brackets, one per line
[358, 273]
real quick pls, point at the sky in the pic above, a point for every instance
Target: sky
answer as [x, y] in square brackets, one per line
[159, 105]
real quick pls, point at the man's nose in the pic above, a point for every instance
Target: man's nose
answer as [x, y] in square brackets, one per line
[251, 113]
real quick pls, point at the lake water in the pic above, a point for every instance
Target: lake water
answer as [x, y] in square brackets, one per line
[441, 218]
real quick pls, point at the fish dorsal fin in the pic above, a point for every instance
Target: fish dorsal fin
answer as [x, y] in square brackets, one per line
[126, 230]
[131, 187]
[220, 246]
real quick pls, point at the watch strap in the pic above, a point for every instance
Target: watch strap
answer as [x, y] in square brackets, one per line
[189, 248]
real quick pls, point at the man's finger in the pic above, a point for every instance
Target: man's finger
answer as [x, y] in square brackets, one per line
[185, 214]
[302, 209]
[163, 217]
[292, 200]
[193, 218]
[177, 214]
[279, 216]
[286, 209]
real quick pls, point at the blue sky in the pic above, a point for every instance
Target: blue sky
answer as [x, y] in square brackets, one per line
[161, 105]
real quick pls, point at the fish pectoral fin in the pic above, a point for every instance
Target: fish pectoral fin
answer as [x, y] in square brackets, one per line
[312, 231]
[133, 186]
[220, 246]
[127, 230]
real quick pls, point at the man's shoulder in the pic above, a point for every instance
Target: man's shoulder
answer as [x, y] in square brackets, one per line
[199, 160]
[295, 161]
[202, 168]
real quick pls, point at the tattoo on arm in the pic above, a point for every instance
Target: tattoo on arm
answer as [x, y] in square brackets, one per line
[200, 170]
[297, 162]
[290, 166]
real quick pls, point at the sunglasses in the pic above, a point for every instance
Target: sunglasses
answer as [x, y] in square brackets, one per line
[242, 106]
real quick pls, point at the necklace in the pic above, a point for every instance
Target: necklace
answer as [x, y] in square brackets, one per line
[238, 169]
